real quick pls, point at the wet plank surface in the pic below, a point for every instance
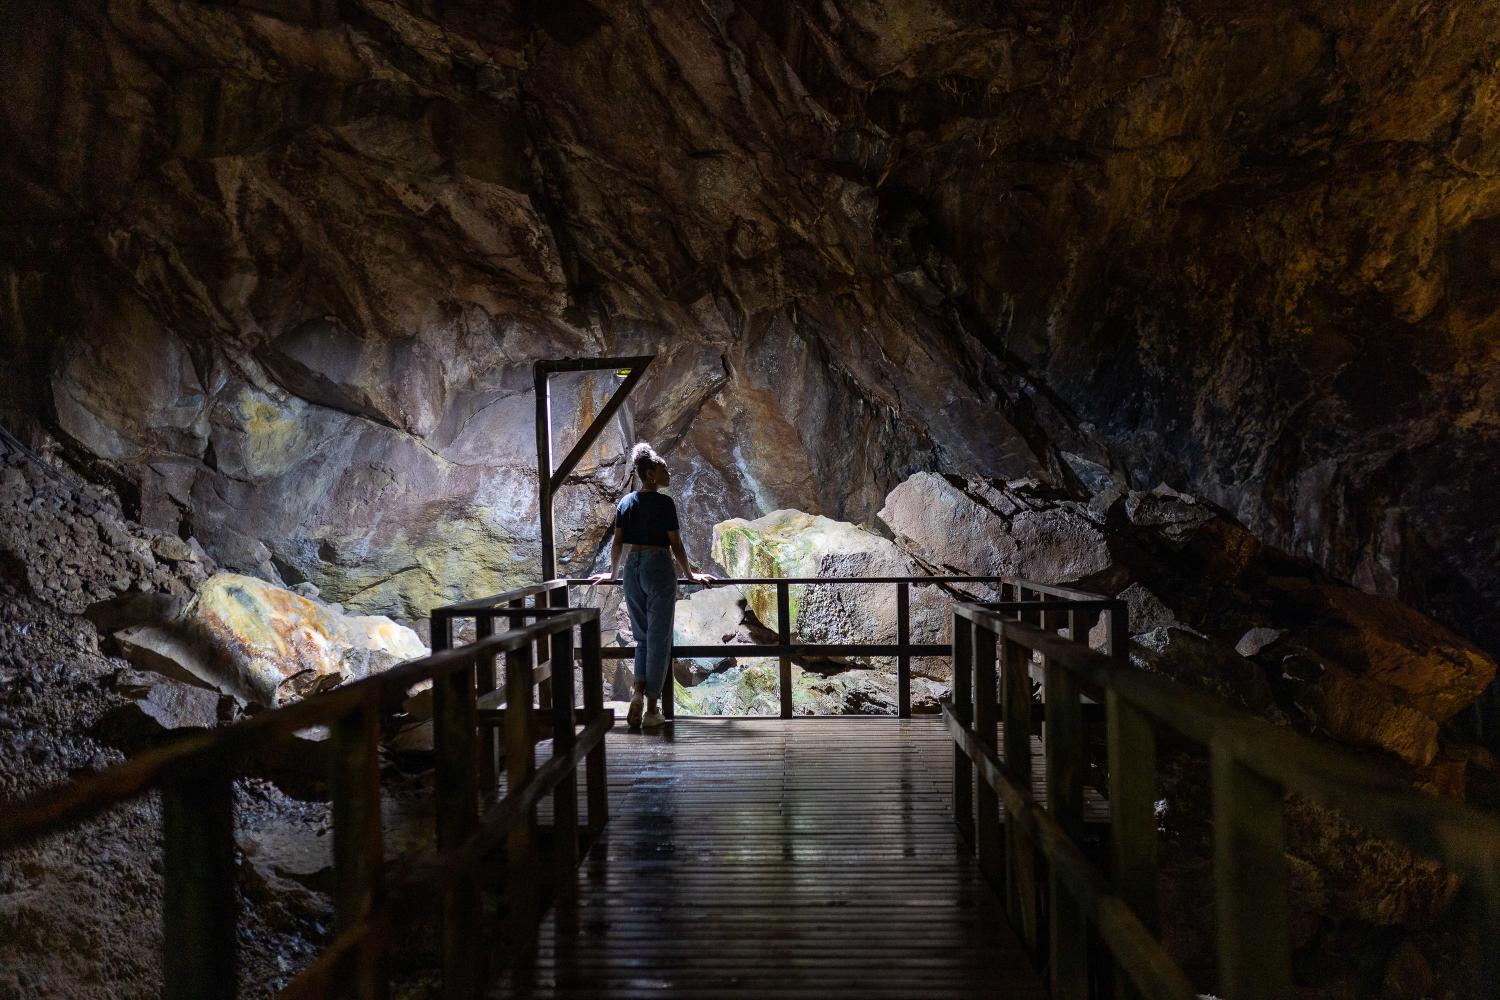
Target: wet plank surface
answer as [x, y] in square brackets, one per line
[766, 858]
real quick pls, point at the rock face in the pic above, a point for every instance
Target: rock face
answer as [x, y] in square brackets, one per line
[303, 256]
[1389, 644]
[981, 527]
[790, 543]
[265, 645]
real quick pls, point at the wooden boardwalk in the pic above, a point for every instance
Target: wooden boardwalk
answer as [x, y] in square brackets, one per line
[751, 857]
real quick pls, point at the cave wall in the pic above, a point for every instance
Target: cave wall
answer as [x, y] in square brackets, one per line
[279, 268]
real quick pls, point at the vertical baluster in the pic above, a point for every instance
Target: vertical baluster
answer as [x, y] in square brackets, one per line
[1487, 933]
[565, 797]
[488, 749]
[1067, 928]
[1134, 846]
[557, 598]
[198, 903]
[593, 707]
[1118, 627]
[520, 765]
[544, 655]
[358, 838]
[986, 717]
[1020, 853]
[457, 798]
[784, 636]
[963, 710]
[903, 660]
[1249, 881]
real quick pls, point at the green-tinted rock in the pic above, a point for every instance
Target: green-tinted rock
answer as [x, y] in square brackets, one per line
[790, 543]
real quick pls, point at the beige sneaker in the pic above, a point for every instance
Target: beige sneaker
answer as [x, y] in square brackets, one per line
[637, 706]
[653, 720]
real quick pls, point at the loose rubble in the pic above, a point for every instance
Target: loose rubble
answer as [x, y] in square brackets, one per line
[80, 910]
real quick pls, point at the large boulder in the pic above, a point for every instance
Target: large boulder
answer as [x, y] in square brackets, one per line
[984, 527]
[266, 645]
[789, 543]
[714, 616]
[1358, 711]
[1422, 664]
[1189, 658]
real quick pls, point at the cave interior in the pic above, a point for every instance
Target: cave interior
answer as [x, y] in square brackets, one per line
[1194, 305]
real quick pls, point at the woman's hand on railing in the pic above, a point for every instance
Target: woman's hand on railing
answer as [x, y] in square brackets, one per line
[707, 579]
[599, 578]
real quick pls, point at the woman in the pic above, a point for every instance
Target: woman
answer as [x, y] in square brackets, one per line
[646, 521]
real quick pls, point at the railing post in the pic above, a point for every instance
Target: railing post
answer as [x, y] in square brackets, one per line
[903, 660]
[593, 707]
[784, 633]
[1250, 881]
[520, 765]
[1068, 931]
[963, 710]
[565, 796]
[484, 683]
[358, 838]
[544, 468]
[1020, 853]
[669, 686]
[1134, 844]
[988, 840]
[198, 901]
[457, 799]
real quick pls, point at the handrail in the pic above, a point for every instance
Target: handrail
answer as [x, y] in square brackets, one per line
[1026, 593]
[1254, 764]
[86, 795]
[1128, 938]
[807, 580]
[195, 775]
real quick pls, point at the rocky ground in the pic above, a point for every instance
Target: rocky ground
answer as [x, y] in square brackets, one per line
[102, 655]
[80, 910]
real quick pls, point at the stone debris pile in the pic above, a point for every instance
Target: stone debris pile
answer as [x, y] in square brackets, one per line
[1209, 604]
[72, 546]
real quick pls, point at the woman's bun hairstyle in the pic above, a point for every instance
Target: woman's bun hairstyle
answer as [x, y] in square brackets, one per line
[646, 460]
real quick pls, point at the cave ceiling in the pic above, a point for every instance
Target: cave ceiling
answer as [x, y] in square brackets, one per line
[279, 269]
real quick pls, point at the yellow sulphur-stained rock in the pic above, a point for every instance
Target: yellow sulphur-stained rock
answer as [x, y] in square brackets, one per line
[269, 645]
[790, 543]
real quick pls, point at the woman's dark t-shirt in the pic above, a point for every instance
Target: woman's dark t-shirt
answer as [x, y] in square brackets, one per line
[645, 518]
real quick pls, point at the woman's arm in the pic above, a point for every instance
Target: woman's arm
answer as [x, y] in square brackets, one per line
[675, 539]
[615, 548]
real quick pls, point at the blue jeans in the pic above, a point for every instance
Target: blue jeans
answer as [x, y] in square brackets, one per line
[651, 597]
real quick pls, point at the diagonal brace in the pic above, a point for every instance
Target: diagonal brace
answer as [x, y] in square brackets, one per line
[597, 427]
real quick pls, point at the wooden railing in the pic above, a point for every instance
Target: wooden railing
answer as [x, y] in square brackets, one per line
[195, 775]
[1035, 857]
[903, 649]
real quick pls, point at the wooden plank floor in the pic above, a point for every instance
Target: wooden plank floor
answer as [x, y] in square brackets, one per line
[808, 858]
